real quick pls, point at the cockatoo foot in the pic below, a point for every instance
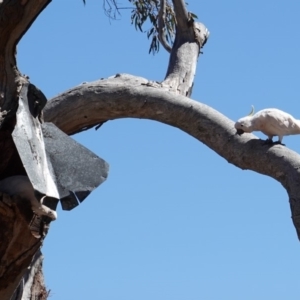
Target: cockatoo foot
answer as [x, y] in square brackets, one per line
[268, 142]
[278, 143]
[271, 142]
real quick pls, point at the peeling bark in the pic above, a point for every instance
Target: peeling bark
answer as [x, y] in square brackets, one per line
[32, 286]
[126, 96]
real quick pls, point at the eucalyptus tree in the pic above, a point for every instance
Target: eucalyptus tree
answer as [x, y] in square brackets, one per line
[122, 96]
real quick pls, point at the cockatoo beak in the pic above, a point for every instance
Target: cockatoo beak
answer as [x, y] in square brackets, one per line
[240, 131]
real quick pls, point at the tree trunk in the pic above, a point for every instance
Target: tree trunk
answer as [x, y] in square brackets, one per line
[18, 245]
[32, 285]
[190, 37]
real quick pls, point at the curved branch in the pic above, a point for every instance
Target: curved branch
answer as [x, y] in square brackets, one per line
[129, 97]
[162, 25]
[27, 11]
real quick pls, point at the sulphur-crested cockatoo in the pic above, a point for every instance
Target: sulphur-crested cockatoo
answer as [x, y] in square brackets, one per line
[271, 121]
[21, 186]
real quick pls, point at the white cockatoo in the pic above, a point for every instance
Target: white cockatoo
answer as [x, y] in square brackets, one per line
[21, 186]
[270, 121]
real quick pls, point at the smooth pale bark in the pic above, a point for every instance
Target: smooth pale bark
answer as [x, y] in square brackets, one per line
[189, 38]
[162, 25]
[32, 286]
[126, 96]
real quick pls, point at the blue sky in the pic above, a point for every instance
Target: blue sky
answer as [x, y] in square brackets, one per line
[174, 220]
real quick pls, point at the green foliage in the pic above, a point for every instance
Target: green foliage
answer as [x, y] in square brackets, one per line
[145, 13]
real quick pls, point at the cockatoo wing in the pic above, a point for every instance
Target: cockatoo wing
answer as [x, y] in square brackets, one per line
[277, 123]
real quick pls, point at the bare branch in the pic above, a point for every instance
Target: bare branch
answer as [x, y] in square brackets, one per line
[190, 37]
[183, 58]
[129, 97]
[182, 16]
[162, 25]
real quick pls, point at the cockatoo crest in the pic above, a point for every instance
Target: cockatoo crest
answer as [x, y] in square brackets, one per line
[244, 124]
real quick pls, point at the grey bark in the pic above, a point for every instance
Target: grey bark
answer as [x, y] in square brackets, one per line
[190, 37]
[162, 25]
[181, 13]
[126, 96]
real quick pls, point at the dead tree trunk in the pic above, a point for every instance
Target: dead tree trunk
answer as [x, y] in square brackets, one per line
[18, 246]
[32, 285]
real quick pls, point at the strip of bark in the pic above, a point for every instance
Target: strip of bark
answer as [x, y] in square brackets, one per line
[17, 247]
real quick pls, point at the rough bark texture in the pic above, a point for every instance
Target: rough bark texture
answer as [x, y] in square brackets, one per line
[32, 286]
[16, 16]
[18, 246]
[162, 25]
[128, 96]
